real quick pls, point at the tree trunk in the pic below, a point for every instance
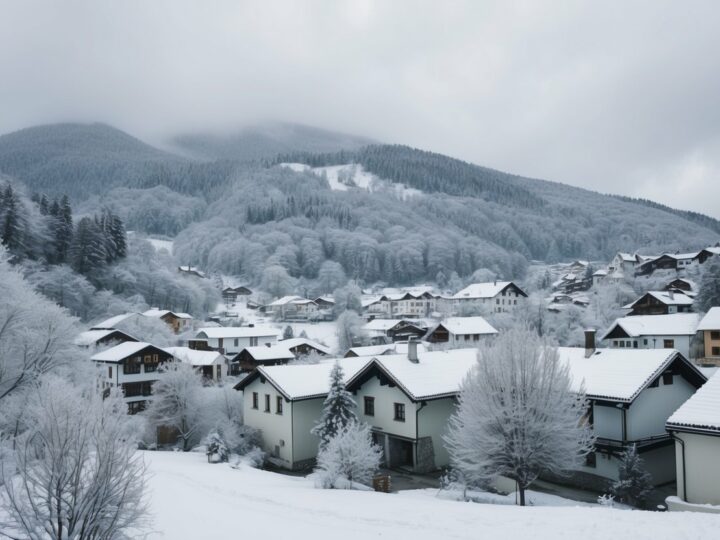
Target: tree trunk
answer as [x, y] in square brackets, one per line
[521, 491]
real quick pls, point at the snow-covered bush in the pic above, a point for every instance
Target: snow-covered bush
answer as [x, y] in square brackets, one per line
[634, 483]
[349, 458]
[215, 448]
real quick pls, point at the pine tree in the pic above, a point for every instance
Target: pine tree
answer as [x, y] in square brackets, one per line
[634, 483]
[62, 228]
[338, 409]
[11, 231]
[87, 251]
[288, 332]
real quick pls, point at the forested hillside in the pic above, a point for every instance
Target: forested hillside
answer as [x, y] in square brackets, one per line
[242, 217]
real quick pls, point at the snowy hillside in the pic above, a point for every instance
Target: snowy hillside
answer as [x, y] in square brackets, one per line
[193, 500]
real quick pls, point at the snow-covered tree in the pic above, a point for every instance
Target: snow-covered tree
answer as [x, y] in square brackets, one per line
[709, 293]
[74, 473]
[330, 276]
[347, 298]
[349, 330]
[517, 415]
[634, 483]
[288, 332]
[87, 252]
[338, 408]
[216, 449]
[276, 281]
[176, 402]
[349, 457]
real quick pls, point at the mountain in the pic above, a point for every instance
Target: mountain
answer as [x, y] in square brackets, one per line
[265, 141]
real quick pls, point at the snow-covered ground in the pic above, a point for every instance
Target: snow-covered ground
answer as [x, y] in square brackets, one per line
[160, 245]
[191, 499]
[345, 177]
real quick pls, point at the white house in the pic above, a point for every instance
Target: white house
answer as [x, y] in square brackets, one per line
[632, 393]
[233, 339]
[407, 400]
[499, 296]
[674, 331]
[285, 403]
[96, 339]
[695, 427]
[211, 364]
[623, 263]
[178, 322]
[292, 307]
[132, 366]
[461, 331]
[381, 330]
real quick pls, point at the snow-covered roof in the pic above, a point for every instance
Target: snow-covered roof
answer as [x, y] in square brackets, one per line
[91, 337]
[467, 325]
[381, 325]
[389, 348]
[120, 352]
[601, 272]
[112, 322]
[482, 290]
[702, 410]
[683, 256]
[157, 313]
[674, 324]
[186, 355]
[305, 381]
[286, 300]
[665, 297]
[299, 341]
[370, 300]
[626, 256]
[436, 374]
[273, 352]
[229, 332]
[711, 320]
[615, 374]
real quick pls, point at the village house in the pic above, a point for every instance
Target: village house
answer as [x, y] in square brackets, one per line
[97, 339]
[231, 294]
[212, 365]
[675, 331]
[666, 261]
[498, 296]
[192, 271]
[695, 428]
[304, 347]
[388, 348]
[384, 330]
[661, 303]
[262, 355]
[230, 340]
[708, 253]
[325, 302]
[623, 264]
[407, 399]
[709, 330]
[682, 286]
[460, 331]
[285, 403]
[133, 367]
[178, 322]
[292, 308]
[113, 322]
[599, 277]
[632, 393]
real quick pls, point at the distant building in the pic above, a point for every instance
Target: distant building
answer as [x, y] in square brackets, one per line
[96, 339]
[666, 261]
[461, 331]
[113, 322]
[230, 340]
[263, 355]
[178, 322]
[383, 330]
[674, 331]
[192, 271]
[304, 347]
[709, 329]
[292, 307]
[230, 294]
[661, 303]
[498, 296]
[212, 365]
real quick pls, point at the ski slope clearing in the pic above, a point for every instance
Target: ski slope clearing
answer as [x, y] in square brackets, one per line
[192, 499]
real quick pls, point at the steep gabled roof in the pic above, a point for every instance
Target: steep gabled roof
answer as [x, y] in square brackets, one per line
[297, 342]
[711, 320]
[90, 337]
[263, 353]
[701, 412]
[194, 357]
[112, 322]
[664, 297]
[122, 351]
[466, 325]
[484, 290]
[674, 324]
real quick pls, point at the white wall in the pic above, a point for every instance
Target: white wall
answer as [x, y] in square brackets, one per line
[230, 346]
[702, 474]
[681, 343]
[649, 412]
[305, 415]
[433, 422]
[607, 422]
[385, 397]
[274, 427]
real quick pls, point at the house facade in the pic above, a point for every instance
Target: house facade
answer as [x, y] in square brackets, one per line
[709, 331]
[230, 340]
[212, 365]
[461, 332]
[496, 296]
[675, 331]
[262, 355]
[178, 322]
[133, 367]
[661, 303]
[98, 339]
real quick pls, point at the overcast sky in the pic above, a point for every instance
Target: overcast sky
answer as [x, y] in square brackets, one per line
[617, 96]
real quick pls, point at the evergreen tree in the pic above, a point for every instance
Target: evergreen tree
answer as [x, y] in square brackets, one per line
[634, 483]
[44, 205]
[338, 409]
[709, 294]
[288, 332]
[62, 226]
[11, 232]
[87, 251]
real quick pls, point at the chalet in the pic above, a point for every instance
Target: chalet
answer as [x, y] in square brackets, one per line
[666, 261]
[133, 367]
[631, 394]
[407, 400]
[461, 331]
[305, 347]
[599, 276]
[682, 286]
[674, 331]
[97, 339]
[695, 428]
[231, 340]
[499, 296]
[192, 271]
[383, 330]
[709, 330]
[292, 307]
[230, 294]
[707, 253]
[285, 403]
[660, 303]
[262, 355]
[113, 322]
[178, 322]
[623, 263]
[211, 364]
[379, 350]
[325, 302]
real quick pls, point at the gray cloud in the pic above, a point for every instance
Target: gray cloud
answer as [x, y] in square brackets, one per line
[620, 97]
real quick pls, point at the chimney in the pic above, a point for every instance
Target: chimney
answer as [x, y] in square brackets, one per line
[412, 350]
[589, 342]
[670, 294]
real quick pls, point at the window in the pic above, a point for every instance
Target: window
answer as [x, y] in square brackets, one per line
[253, 341]
[110, 371]
[278, 405]
[615, 343]
[267, 402]
[255, 400]
[151, 363]
[667, 378]
[635, 345]
[716, 351]
[669, 343]
[622, 344]
[399, 412]
[645, 341]
[497, 301]
[132, 365]
[236, 342]
[369, 405]
[715, 334]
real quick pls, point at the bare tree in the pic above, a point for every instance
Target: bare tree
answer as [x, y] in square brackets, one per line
[517, 414]
[74, 474]
[349, 330]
